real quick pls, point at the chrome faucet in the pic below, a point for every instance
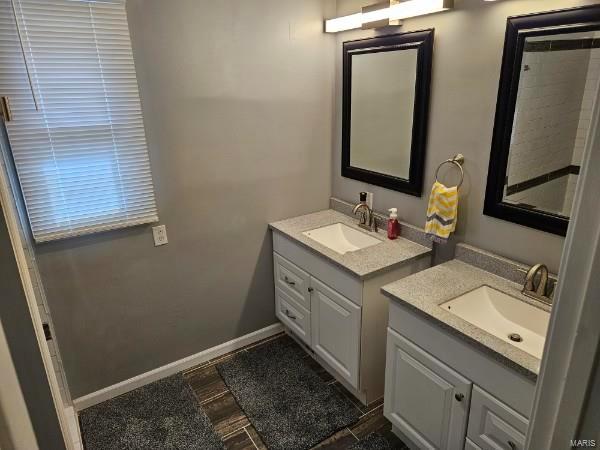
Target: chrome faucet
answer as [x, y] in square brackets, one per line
[540, 292]
[366, 219]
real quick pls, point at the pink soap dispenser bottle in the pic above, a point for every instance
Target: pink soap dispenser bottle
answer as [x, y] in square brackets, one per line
[393, 227]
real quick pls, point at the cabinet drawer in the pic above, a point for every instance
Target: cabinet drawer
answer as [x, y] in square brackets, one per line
[292, 280]
[493, 425]
[293, 315]
[427, 400]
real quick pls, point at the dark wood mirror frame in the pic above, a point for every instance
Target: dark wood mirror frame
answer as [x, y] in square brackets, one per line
[423, 42]
[586, 18]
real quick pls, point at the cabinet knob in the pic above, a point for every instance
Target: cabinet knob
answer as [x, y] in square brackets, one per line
[310, 289]
[512, 445]
[288, 281]
[291, 316]
[459, 397]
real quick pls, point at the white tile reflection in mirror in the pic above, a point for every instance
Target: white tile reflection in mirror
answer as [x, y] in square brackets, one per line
[383, 97]
[559, 83]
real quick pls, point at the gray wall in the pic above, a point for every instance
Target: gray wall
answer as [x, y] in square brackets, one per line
[24, 349]
[466, 70]
[241, 117]
[237, 100]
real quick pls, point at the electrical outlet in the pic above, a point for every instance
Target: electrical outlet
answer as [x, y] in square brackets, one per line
[160, 235]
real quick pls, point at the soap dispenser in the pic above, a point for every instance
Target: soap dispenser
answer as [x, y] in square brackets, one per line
[393, 227]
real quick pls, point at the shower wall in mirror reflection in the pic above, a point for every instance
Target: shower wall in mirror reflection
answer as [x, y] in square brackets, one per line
[557, 90]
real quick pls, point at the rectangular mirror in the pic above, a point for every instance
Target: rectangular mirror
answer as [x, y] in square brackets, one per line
[385, 105]
[549, 86]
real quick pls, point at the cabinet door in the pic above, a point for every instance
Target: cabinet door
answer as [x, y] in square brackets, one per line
[335, 324]
[424, 398]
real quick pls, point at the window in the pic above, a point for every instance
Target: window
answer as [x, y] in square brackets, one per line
[81, 158]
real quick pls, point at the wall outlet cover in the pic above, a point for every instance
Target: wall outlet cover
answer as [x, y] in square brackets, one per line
[160, 235]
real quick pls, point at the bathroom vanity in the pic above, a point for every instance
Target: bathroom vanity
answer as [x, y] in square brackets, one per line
[328, 276]
[463, 353]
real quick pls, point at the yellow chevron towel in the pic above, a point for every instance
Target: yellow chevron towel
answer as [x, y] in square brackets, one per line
[441, 212]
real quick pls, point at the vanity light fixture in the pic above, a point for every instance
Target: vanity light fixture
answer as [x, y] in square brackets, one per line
[386, 13]
[343, 23]
[378, 15]
[414, 8]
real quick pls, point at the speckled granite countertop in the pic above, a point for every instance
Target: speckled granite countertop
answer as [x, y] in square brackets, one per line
[423, 292]
[364, 263]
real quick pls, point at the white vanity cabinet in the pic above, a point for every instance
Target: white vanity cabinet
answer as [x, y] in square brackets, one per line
[340, 317]
[441, 393]
[326, 321]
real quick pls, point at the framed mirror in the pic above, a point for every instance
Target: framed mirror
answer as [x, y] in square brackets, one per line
[548, 89]
[385, 107]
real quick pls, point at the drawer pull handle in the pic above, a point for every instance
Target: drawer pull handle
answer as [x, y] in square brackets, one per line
[291, 316]
[288, 281]
[459, 397]
[512, 445]
[310, 289]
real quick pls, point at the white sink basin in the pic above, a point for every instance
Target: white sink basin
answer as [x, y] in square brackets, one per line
[341, 238]
[502, 316]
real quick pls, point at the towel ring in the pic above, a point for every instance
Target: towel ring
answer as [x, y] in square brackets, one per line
[458, 160]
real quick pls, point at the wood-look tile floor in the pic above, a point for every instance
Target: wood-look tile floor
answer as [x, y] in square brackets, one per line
[237, 432]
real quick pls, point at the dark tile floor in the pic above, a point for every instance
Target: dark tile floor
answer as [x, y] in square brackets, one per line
[237, 432]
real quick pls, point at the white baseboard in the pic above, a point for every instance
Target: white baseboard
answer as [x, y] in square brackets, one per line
[177, 366]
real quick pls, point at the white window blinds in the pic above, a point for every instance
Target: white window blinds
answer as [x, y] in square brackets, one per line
[82, 158]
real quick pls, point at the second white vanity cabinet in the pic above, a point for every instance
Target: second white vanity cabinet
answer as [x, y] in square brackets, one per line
[441, 393]
[341, 318]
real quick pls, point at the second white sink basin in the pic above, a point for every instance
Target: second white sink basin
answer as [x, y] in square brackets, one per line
[503, 316]
[341, 238]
